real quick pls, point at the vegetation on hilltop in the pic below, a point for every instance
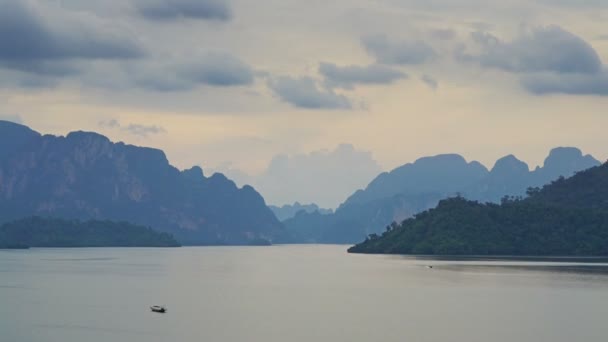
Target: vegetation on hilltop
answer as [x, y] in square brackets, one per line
[566, 217]
[52, 232]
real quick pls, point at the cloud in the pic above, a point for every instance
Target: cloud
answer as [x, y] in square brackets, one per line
[42, 68]
[443, 34]
[304, 92]
[139, 130]
[29, 43]
[349, 76]
[430, 81]
[213, 69]
[575, 3]
[219, 69]
[160, 78]
[112, 123]
[404, 52]
[192, 9]
[572, 84]
[13, 78]
[144, 130]
[299, 177]
[543, 49]
[549, 60]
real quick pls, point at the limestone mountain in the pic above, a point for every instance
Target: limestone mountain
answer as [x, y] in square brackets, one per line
[86, 176]
[567, 217]
[415, 187]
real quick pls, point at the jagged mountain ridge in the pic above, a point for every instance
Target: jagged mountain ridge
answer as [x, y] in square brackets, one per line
[86, 176]
[441, 173]
[415, 187]
[566, 217]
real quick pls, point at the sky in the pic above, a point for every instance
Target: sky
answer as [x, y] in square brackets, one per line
[310, 100]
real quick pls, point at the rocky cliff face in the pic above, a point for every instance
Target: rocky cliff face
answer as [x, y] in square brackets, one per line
[86, 176]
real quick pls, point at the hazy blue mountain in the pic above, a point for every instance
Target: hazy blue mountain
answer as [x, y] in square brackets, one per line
[351, 222]
[509, 177]
[512, 177]
[415, 187]
[565, 217]
[562, 162]
[14, 136]
[86, 176]
[290, 210]
[445, 173]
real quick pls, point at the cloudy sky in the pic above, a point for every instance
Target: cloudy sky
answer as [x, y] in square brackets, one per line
[308, 100]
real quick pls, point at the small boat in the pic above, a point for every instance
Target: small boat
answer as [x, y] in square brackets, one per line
[159, 309]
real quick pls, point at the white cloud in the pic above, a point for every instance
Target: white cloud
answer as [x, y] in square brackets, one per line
[324, 177]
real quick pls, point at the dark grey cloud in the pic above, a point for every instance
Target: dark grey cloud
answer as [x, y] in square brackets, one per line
[305, 93]
[549, 60]
[192, 9]
[213, 69]
[219, 69]
[349, 76]
[545, 49]
[573, 84]
[26, 39]
[403, 52]
[430, 81]
[159, 79]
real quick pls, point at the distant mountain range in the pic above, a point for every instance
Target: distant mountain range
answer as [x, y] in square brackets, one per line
[86, 176]
[415, 187]
[566, 217]
[290, 210]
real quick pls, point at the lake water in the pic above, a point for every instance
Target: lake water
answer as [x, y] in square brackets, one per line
[295, 293]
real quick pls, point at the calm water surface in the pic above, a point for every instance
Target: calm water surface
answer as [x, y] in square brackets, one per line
[295, 293]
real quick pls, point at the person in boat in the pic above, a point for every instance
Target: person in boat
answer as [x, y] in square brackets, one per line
[157, 308]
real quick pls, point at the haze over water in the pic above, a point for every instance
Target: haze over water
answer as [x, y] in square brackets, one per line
[295, 293]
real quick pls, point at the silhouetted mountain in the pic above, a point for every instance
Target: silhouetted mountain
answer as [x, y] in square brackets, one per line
[86, 176]
[288, 211]
[586, 189]
[445, 173]
[415, 187]
[13, 136]
[566, 217]
[509, 177]
[562, 162]
[512, 177]
[352, 222]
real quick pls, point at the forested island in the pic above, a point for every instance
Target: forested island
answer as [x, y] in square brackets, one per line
[566, 217]
[52, 232]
